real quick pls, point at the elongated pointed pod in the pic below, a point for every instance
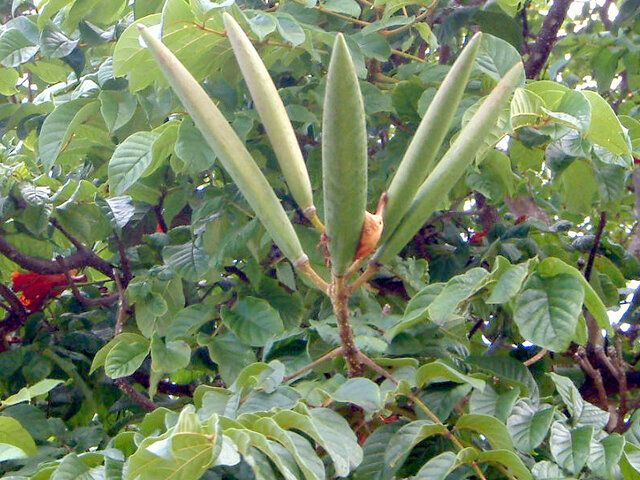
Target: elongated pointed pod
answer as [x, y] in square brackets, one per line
[232, 153]
[453, 164]
[274, 118]
[344, 158]
[425, 145]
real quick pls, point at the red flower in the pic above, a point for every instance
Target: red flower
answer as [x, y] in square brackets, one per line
[520, 219]
[37, 288]
[636, 160]
[477, 237]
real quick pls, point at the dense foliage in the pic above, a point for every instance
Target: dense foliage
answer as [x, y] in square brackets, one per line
[153, 328]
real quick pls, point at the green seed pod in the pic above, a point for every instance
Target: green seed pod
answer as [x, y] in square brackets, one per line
[453, 164]
[232, 153]
[344, 158]
[273, 114]
[421, 153]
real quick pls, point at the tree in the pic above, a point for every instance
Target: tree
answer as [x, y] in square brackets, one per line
[172, 308]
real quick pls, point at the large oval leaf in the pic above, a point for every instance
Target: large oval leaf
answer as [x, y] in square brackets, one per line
[253, 320]
[547, 310]
[125, 358]
[15, 441]
[130, 160]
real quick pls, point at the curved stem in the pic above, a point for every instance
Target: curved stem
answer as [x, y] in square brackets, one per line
[370, 271]
[327, 356]
[306, 268]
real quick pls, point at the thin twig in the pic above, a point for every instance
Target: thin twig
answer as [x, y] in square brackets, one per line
[355, 266]
[122, 307]
[585, 364]
[535, 358]
[406, 55]
[369, 272]
[415, 399]
[306, 268]
[596, 244]
[124, 263]
[327, 356]
[84, 300]
[74, 241]
[418, 19]
[135, 395]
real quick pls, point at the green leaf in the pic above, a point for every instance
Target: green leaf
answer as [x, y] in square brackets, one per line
[14, 435]
[305, 456]
[444, 306]
[8, 80]
[125, 358]
[438, 371]
[529, 425]
[60, 126]
[509, 370]
[373, 463]
[101, 355]
[417, 308]
[496, 57]
[192, 148]
[187, 322]
[403, 441]
[551, 266]
[547, 310]
[169, 357]
[509, 460]
[119, 210]
[438, 467]
[574, 110]
[605, 454]
[180, 456]
[509, 283]
[225, 346]
[290, 29]
[605, 128]
[570, 447]
[489, 402]
[329, 430]
[261, 23]
[253, 320]
[362, 392]
[526, 108]
[117, 108]
[26, 394]
[130, 160]
[346, 7]
[15, 48]
[188, 260]
[492, 428]
[54, 43]
[581, 411]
